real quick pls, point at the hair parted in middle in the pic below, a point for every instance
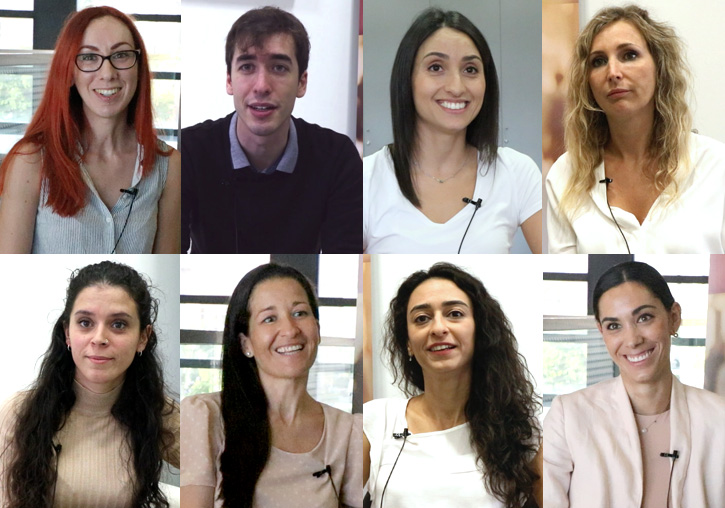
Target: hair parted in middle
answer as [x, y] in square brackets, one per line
[254, 27]
[247, 430]
[502, 405]
[481, 133]
[140, 408]
[59, 122]
[586, 127]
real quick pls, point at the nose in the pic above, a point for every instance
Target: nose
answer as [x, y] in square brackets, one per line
[439, 327]
[614, 71]
[454, 84]
[288, 327]
[100, 338]
[262, 82]
[633, 337]
[107, 70]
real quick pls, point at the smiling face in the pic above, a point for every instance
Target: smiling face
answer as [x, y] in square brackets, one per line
[636, 329]
[441, 328]
[283, 332]
[265, 83]
[104, 333]
[622, 73]
[448, 82]
[107, 92]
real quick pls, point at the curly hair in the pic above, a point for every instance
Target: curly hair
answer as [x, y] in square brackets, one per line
[587, 130]
[140, 408]
[502, 405]
[247, 432]
[482, 132]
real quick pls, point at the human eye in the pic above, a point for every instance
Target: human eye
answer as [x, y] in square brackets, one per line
[421, 319]
[436, 67]
[88, 57]
[300, 313]
[471, 69]
[630, 55]
[121, 55]
[280, 68]
[84, 323]
[119, 325]
[246, 68]
[642, 318]
[612, 326]
[269, 319]
[456, 313]
[598, 61]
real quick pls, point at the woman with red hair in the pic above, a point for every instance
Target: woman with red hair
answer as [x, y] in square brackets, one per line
[90, 174]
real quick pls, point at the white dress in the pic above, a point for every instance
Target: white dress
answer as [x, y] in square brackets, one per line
[510, 193]
[435, 469]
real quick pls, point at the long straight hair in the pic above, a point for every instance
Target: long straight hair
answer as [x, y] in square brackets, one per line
[482, 132]
[247, 433]
[140, 408]
[58, 124]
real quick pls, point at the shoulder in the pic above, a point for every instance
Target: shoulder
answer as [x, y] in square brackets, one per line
[208, 127]
[713, 403]
[379, 409]
[517, 161]
[591, 396]
[378, 165]
[707, 151]
[9, 410]
[320, 134]
[341, 421]
[28, 158]
[202, 404]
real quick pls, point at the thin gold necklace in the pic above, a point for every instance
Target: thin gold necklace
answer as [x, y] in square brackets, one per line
[439, 180]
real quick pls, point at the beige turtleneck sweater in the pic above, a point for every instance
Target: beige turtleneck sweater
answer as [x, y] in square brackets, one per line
[95, 459]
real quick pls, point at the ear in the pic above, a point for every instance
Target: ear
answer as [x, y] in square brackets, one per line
[302, 85]
[675, 318]
[143, 340]
[599, 326]
[67, 335]
[230, 89]
[246, 344]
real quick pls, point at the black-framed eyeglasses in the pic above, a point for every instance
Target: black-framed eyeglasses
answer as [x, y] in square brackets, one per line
[91, 62]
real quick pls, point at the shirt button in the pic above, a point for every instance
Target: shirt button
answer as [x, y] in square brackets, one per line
[108, 219]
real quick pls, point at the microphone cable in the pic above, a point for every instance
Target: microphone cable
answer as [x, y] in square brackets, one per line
[477, 204]
[674, 456]
[404, 435]
[328, 470]
[607, 181]
[56, 448]
[134, 192]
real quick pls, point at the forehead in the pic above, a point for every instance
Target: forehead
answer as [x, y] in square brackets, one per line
[627, 296]
[274, 44]
[276, 291]
[106, 29]
[448, 41]
[105, 299]
[619, 32]
[436, 291]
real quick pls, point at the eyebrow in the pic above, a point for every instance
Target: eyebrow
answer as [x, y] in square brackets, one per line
[620, 46]
[82, 312]
[634, 312]
[274, 307]
[112, 47]
[449, 303]
[274, 56]
[446, 57]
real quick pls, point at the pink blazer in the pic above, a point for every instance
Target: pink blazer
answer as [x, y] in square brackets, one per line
[592, 456]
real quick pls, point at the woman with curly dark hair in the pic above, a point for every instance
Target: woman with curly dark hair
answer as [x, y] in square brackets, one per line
[469, 434]
[96, 426]
[263, 441]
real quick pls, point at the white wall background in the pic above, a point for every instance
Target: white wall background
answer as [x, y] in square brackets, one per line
[515, 281]
[32, 299]
[332, 25]
[699, 23]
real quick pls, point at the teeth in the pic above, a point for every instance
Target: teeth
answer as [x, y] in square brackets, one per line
[639, 358]
[453, 105]
[441, 348]
[107, 92]
[289, 349]
[261, 108]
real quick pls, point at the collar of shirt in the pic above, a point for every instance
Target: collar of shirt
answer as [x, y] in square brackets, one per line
[287, 161]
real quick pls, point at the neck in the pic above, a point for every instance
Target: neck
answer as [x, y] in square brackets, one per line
[287, 399]
[100, 388]
[108, 136]
[440, 154]
[445, 397]
[262, 151]
[650, 398]
[630, 137]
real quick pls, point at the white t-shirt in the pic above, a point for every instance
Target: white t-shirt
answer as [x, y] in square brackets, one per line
[510, 192]
[695, 223]
[435, 469]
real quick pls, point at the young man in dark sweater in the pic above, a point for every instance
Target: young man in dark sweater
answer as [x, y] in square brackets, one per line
[259, 180]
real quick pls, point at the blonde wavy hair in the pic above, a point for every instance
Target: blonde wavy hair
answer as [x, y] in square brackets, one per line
[586, 127]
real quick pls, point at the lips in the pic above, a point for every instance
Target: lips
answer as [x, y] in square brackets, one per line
[441, 347]
[639, 357]
[290, 349]
[617, 92]
[99, 359]
[453, 105]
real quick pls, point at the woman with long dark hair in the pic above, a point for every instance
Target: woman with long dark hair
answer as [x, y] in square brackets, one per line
[90, 175]
[642, 438]
[263, 440]
[96, 426]
[444, 100]
[469, 434]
